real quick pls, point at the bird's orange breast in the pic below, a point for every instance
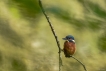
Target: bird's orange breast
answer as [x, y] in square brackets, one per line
[69, 48]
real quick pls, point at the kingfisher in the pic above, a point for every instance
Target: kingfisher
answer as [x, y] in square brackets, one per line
[69, 46]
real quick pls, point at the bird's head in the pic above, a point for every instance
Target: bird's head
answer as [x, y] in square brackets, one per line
[69, 38]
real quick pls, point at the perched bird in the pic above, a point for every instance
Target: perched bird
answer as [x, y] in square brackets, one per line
[69, 46]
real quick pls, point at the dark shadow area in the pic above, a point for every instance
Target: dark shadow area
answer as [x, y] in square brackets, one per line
[18, 65]
[1, 58]
[10, 35]
[28, 8]
[102, 42]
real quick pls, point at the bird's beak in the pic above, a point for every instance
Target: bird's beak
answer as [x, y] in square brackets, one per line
[64, 38]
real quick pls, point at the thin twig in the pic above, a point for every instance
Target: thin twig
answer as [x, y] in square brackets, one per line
[53, 31]
[79, 62]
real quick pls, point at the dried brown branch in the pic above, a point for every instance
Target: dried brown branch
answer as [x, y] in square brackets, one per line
[54, 33]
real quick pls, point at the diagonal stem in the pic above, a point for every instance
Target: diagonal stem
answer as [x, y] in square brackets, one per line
[79, 62]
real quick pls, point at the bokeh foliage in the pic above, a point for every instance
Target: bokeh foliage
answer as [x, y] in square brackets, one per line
[27, 43]
[28, 8]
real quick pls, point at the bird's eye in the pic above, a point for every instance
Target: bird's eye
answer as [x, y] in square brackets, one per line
[69, 38]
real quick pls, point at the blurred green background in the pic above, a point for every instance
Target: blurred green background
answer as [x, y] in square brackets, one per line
[27, 43]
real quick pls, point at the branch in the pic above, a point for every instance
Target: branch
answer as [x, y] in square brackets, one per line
[79, 62]
[53, 31]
